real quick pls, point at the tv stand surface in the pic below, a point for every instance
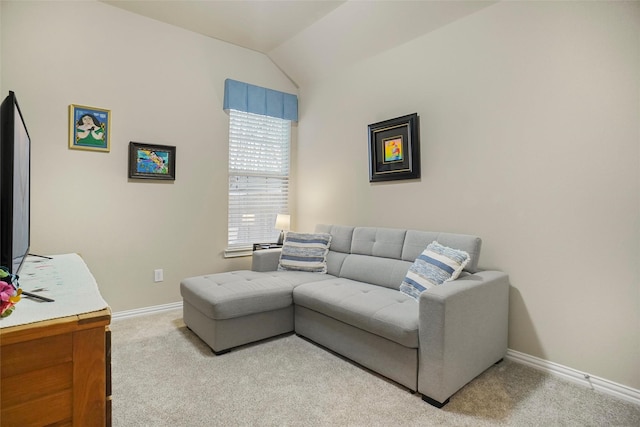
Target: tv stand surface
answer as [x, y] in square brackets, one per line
[56, 371]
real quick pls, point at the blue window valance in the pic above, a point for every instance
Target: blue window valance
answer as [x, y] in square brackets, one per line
[259, 100]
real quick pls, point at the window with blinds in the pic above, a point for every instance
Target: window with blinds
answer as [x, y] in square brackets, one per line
[259, 149]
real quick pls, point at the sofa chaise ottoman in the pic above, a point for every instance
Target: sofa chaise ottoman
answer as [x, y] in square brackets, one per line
[432, 342]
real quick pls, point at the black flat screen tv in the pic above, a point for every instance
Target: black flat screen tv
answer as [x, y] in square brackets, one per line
[15, 185]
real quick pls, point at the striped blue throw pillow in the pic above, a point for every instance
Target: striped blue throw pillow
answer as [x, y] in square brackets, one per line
[435, 265]
[305, 252]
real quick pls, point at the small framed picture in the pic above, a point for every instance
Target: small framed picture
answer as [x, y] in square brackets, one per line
[89, 128]
[152, 161]
[394, 149]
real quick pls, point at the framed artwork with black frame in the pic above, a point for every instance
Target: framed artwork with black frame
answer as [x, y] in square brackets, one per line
[394, 149]
[152, 161]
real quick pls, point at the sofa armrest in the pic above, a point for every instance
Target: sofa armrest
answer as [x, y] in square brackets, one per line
[463, 330]
[265, 259]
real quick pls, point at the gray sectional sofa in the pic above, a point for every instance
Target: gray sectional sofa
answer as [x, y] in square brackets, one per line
[433, 346]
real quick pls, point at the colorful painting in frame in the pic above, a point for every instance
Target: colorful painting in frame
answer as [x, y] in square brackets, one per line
[394, 149]
[89, 128]
[152, 161]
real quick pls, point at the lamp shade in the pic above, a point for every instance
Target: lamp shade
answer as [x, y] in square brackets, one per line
[283, 222]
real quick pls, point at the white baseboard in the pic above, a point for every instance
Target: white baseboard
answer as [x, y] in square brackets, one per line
[582, 378]
[145, 310]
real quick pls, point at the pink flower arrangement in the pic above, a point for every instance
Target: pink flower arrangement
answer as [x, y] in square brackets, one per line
[9, 293]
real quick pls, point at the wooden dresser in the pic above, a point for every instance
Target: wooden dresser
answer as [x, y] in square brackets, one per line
[56, 372]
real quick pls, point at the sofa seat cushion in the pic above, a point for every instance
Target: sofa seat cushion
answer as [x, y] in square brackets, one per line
[375, 309]
[241, 293]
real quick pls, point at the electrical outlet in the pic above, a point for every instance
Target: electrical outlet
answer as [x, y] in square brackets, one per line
[158, 275]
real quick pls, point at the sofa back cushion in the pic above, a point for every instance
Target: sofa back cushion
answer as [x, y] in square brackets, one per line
[341, 236]
[378, 242]
[382, 256]
[416, 241]
[379, 271]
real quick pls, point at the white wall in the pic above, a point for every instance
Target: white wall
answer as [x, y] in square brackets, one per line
[530, 139]
[163, 85]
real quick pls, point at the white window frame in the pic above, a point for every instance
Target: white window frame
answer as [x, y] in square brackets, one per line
[259, 172]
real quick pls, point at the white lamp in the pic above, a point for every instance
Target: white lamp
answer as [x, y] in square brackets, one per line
[283, 223]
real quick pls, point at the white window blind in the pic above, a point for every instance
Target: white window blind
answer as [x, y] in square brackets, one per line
[258, 178]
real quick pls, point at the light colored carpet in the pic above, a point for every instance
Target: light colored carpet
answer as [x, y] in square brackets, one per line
[164, 375]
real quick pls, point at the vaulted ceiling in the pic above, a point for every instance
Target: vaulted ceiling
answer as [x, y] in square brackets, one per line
[308, 39]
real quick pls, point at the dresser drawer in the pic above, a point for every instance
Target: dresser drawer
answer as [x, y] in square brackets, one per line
[36, 354]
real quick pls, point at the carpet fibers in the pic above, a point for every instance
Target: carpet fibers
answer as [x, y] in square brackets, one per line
[164, 375]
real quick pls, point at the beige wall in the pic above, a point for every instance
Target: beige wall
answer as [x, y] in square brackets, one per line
[163, 85]
[530, 138]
